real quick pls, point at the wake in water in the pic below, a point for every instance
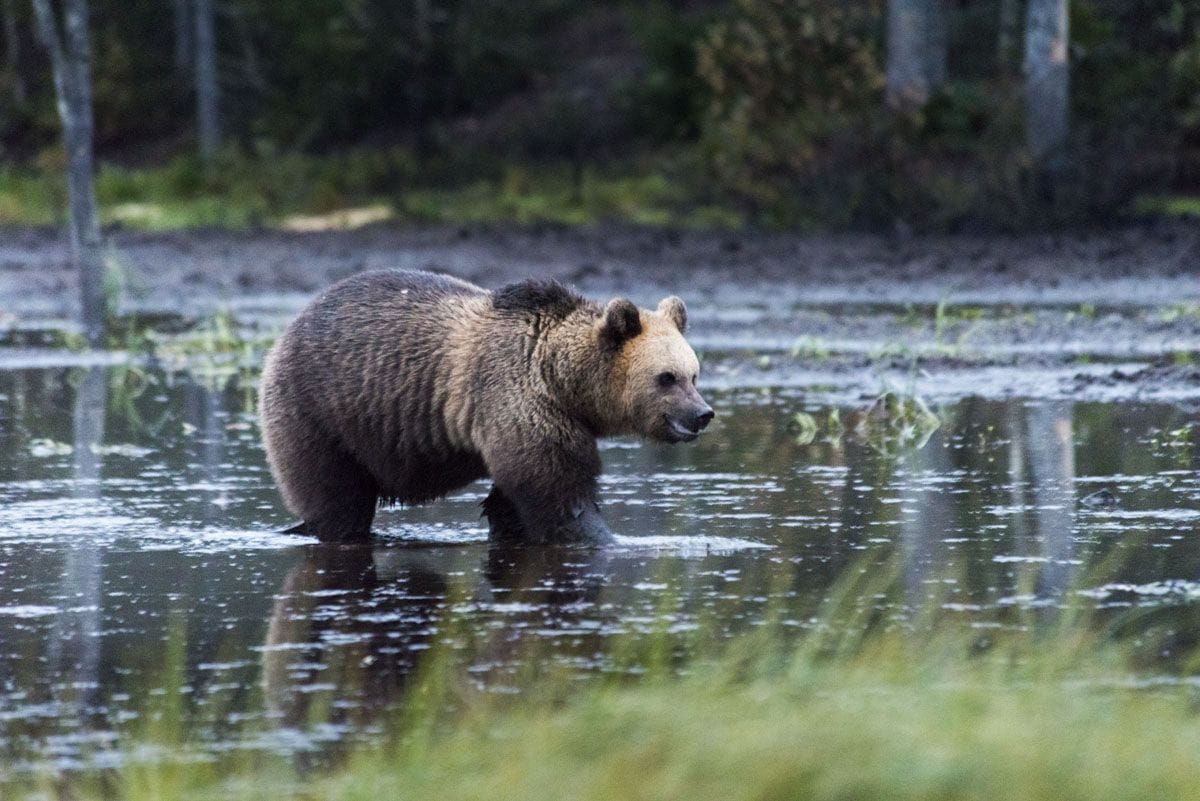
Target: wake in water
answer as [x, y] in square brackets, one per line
[685, 546]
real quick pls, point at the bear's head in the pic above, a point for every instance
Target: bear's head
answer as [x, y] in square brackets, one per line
[654, 371]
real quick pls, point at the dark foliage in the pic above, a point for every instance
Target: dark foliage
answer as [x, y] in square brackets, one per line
[772, 106]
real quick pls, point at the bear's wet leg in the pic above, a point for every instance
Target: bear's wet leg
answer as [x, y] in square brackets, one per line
[504, 522]
[590, 523]
[550, 482]
[334, 495]
[543, 518]
[348, 520]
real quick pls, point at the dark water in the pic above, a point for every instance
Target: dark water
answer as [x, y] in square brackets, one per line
[137, 521]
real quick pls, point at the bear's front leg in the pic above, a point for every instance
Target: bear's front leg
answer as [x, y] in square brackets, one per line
[585, 524]
[590, 525]
[545, 491]
[504, 522]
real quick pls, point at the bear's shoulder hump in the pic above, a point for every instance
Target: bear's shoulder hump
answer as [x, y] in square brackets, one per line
[537, 296]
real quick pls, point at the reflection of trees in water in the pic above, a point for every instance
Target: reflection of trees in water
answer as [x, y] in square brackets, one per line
[983, 482]
[203, 409]
[1018, 529]
[1042, 494]
[41, 403]
[928, 515]
[946, 493]
[753, 440]
[1052, 468]
[14, 428]
[74, 648]
[1033, 477]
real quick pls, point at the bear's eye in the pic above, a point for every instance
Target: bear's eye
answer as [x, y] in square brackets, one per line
[666, 380]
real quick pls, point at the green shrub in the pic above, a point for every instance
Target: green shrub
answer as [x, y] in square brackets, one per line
[795, 88]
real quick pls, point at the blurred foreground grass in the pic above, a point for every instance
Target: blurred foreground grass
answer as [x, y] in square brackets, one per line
[893, 723]
[355, 188]
[1057, 706]
[870, 732]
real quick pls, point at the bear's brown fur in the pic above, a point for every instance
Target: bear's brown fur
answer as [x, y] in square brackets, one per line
[403, 386]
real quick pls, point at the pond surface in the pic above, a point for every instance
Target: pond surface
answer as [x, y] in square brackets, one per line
[138, 539]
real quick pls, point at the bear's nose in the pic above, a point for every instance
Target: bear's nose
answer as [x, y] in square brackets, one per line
[704, 418]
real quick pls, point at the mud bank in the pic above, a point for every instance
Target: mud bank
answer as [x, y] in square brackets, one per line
[1145, 265]
[1100, 312]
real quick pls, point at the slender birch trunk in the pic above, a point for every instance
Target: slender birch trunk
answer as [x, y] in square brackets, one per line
[916, 57]
[1046, 79]
[70, 59]
[208, 93]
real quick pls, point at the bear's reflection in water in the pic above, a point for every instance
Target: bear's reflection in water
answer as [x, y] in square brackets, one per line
[342, 638]
[350, 625]
[558, 579]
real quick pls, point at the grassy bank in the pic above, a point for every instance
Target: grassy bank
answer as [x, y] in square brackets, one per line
[347, 190]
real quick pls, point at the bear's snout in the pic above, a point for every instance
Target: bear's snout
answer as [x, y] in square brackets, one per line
[686, 426]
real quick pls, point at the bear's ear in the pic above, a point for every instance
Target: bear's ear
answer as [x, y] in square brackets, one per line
[673, 309]
[622, 321]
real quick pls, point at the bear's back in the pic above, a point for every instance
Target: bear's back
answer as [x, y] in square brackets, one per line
[369, 361]
[366, 291]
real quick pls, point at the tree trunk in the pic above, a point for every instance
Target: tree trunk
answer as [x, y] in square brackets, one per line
[916, 58]
[183, 35]
[12, 52]
[1046, 80]
[70, 58]
[421, 78]
[208, 94]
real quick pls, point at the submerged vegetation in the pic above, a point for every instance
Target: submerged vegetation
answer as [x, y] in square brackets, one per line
[892, 423]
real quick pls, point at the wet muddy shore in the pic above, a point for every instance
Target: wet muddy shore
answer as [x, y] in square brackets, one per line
[1084, 315]
[1153, 264]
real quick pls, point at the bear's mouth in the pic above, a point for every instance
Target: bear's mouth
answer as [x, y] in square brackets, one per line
[679, 432]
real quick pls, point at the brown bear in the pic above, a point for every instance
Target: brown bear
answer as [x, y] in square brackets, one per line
[399, 387]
